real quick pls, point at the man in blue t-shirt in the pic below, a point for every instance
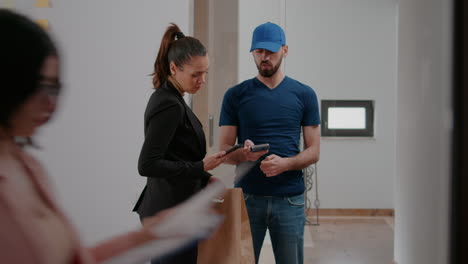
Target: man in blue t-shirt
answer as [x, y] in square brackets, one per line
[272, 108]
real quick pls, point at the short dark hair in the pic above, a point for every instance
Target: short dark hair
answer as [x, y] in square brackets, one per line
[177, 48]
[23, 50]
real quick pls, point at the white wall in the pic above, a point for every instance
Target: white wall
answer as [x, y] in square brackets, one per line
[344, 50]
[252, 14]
[424, 132]
[108, 48]
[91, 149]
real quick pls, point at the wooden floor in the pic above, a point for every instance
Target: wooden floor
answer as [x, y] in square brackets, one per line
[344, 240]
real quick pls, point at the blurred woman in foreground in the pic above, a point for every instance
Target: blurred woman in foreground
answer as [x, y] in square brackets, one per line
[32, 228]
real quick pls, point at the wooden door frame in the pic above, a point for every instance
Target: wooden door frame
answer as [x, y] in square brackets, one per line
[216, 26]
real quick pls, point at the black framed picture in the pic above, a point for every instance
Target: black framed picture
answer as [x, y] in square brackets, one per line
[347, 118]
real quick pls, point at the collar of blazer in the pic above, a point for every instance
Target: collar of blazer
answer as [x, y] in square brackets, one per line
[194, 121]
[172, 89]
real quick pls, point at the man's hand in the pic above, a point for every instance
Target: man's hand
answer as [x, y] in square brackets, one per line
[274, 165]
[249, 155]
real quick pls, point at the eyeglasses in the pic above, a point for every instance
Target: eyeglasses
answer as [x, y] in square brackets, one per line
[52, 90]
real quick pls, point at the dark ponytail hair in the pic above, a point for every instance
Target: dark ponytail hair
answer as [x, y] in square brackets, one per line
[24, 46]
[177, 48]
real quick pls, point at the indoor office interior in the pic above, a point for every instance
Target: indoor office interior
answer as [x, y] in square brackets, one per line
[384, 196]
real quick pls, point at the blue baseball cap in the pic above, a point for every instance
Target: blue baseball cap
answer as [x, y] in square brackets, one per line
[268, 36]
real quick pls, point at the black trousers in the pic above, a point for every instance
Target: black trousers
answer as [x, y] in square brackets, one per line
[187, 256]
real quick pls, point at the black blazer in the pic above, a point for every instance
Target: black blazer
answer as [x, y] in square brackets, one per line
[172, 154]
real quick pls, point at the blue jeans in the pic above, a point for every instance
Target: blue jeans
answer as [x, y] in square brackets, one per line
[284, 218]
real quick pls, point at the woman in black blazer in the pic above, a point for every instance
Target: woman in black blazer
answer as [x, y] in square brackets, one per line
[173, 153]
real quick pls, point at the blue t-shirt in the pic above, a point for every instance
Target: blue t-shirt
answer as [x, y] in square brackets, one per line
[273, 116]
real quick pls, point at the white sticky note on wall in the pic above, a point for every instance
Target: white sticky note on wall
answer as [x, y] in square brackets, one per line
[42, 3]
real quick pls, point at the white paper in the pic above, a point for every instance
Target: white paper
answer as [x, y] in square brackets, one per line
[193, 217]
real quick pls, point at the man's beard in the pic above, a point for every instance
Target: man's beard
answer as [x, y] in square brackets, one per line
[270, 72]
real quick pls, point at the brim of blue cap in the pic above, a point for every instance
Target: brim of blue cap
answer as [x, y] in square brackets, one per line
[271, 46]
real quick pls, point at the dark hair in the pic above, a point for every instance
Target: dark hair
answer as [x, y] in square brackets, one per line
[177, 48]
[23, 50]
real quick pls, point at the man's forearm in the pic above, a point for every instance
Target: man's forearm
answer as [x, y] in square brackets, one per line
[304, 159]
